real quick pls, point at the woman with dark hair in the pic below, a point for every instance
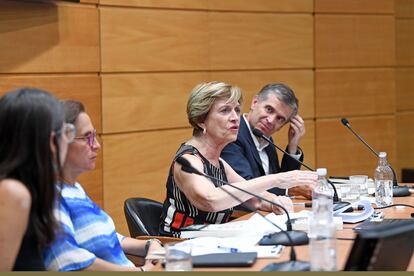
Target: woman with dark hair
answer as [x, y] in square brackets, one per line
[88, 240]
[33, 146]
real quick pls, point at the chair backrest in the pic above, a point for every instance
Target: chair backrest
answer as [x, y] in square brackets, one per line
[143, 216]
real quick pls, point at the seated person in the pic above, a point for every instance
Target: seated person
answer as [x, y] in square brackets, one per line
[88, 240]
[271, 109]
[33, 145]
[213, 110]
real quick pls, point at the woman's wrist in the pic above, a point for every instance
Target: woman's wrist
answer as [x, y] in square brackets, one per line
[148, 244]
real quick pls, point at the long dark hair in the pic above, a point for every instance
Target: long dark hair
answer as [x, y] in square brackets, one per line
[27, 118]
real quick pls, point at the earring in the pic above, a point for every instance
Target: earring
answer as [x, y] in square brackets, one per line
[204, 131]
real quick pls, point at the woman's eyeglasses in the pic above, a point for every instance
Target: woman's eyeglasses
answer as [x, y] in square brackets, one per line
[68, 131]
[90, 138]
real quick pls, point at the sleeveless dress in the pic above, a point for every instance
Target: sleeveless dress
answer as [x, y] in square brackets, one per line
[178, 211]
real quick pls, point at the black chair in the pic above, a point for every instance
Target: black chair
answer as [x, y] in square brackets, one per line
[143, 216]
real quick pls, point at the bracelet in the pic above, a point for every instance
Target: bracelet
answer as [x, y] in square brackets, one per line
[148, 244]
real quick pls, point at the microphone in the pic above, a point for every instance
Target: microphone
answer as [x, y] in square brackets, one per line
[293, 237]
[397, 191]
[337, 203]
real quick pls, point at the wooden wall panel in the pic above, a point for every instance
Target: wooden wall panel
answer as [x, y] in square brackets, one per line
[40, 37]
[351, 92]
[405, 42]
[153, 40]
[228, 5]
[255, 41]
[404, 8]
[307, 143]
[263, 5]
[405, 88]
[85, 88]
[405, 140]
[136, 165]
[250, 82]
[339, 150]
[354, 6]
[169, 4]
[89, 1]
[134, 102]
[354, 41]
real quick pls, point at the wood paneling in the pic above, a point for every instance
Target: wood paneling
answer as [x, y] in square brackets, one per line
[250, 82]
[307, 143]
[89, 1]
[405, 140]
[85, 88]
[146, 101]
[343, 154]
[354, 6]
[405, 42]
[354, 40]
[136, 165]
[171, 4]
[263, 5]
[351, 92]
[39, 37]
[405, 88]
[404, 8]
[260, 41]
[153, 40]
[228, 5]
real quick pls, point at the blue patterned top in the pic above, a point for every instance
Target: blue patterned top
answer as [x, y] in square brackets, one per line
[87, 233]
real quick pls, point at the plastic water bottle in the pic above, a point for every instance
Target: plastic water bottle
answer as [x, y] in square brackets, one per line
[383, 182]
[321, 226]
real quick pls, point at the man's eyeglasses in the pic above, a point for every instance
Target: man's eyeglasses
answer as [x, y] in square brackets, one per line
[90, 138]
[68, 131]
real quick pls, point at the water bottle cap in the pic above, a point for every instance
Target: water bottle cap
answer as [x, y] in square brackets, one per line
[382, 154]
[321, 171]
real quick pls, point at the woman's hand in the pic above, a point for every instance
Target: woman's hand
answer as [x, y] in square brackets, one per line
[290, 179]
[155, 246]
[286, 202]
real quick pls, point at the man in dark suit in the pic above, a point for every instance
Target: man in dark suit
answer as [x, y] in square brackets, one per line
[272, 108]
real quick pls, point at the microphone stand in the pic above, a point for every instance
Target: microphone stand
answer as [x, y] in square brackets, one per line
[398, 191]
[293, 264]
[337, 203]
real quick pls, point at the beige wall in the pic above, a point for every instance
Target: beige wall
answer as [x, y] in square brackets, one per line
[133, 63]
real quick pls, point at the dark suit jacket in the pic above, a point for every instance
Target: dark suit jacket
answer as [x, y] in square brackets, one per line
[244, 158]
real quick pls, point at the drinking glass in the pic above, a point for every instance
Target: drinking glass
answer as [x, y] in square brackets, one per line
[178, 257]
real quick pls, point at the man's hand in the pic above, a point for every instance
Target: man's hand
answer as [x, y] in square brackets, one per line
[295, 134]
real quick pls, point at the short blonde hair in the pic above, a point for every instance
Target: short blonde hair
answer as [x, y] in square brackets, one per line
[202, 98]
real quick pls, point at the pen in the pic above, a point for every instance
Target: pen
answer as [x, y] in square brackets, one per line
[228, 249]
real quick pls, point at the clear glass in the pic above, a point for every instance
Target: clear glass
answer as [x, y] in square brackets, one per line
[361, 181]
[383, 182]
[350, 192]
[178, 257]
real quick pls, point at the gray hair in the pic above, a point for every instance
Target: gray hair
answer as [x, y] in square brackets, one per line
[283, 92]
[202, 98]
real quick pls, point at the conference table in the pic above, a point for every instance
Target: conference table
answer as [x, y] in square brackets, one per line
[343, 246]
